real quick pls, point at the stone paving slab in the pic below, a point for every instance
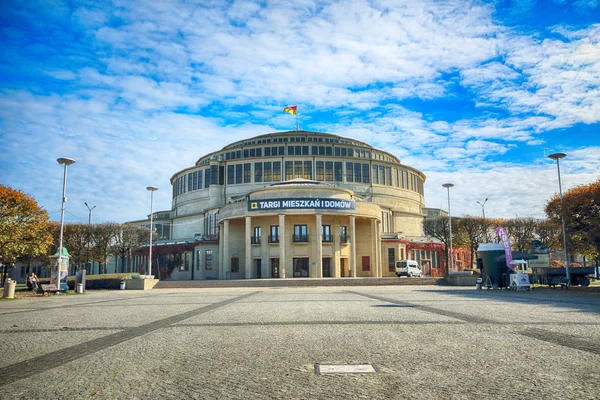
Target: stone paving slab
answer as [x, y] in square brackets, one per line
[263, 344]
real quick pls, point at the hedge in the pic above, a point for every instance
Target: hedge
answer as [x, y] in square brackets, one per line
[104, 281]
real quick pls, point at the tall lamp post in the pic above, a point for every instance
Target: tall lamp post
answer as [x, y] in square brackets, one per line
[482, 207]
[557, 157]
[151, 189]
[448, 186]
[66, 162]
[89, 226]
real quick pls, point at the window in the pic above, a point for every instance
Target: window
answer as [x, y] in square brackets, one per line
[208, 259]
[199, 179]
[344, 234]
[238, 173]
[349, 172]
[298, 169]
[276, 171]
[365, 173]
[268, 172]
[289, 170]
[391, 259]
[329, 171]
[207, 178]
[307, 170]
[300, 233]
[247, 172]
[375, 175]
[258, 176]
[320, 171]
[300, 266]
[366, 263]
[235, 265]
[337, 171]
[230, 174]
[326, 229]
[274, 235]
[357, 176]
[255, 239]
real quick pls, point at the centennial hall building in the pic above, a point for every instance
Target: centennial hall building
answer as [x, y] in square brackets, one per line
[293, 204]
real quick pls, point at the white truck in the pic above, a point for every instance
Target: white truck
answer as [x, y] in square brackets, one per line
[408, 268]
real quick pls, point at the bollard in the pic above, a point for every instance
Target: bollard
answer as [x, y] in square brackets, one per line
[79, 288]
[122, 285]
[478, 284]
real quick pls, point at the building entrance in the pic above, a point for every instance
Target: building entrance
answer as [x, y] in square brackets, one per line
[343, 271]
[301, 268]
[274, 267]
[258, 268]
[326, 267]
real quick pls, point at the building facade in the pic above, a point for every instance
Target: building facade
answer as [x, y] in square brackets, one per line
[293, 204]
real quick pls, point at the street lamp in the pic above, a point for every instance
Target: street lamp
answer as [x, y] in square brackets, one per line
[152, 189]
[557, 157]
[482, 205]
[64, 161]
[89, 223]
[448, 186]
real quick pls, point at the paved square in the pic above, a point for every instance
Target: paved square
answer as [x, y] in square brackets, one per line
[427, 342]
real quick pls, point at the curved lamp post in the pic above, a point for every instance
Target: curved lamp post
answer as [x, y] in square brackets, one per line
[557, 157]
[89, 223]
[151, 189]
[448, 186]
[482, 206]
[66, 162]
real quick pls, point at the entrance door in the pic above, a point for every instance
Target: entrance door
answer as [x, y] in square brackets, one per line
[301, 268]
[342, 267]
[326, 267]
[258, 267]
[274, 267]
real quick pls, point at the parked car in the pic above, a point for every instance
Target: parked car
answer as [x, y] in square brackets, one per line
[408, 268]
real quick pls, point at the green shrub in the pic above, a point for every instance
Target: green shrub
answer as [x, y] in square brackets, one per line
[104, 281]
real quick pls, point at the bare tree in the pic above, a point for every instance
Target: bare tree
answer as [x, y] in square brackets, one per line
[130, 236]
[104, 237]
[439, 228]
[472, 232]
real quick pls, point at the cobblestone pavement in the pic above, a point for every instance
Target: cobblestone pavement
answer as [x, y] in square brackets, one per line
[428, 342]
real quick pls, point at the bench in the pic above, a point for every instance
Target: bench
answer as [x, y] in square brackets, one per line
[46, 289]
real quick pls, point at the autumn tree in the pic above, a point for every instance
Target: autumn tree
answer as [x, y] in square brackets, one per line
[521, 232]
[581, 210]
[23, 227]
[548, 233]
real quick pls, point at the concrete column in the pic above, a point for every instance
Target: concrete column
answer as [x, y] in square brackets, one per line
[352, 260]
[282, 241]
[225, 264]
[319, 261]
[380, 256]
[248, 243]
[374, 247]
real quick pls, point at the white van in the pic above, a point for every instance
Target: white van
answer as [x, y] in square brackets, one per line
[408, 268]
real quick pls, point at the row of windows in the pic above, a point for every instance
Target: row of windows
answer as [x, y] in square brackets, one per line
[300, 234]
[274, 151]
[324, 171]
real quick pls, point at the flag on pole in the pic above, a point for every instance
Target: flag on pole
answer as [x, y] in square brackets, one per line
[290, 109]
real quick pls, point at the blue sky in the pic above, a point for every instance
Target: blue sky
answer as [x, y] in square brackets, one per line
[473, 93]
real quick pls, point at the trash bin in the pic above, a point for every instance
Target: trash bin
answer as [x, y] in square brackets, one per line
[478, 284]
[9, 289]
[122, 285]
[79, 288]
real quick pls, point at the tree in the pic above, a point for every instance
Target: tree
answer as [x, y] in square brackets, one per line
[23, 226]
[548, 234]
[131, 236]
[472, 232]
[439, 228]
[521, 232]
[104, 237]
[581, 210]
